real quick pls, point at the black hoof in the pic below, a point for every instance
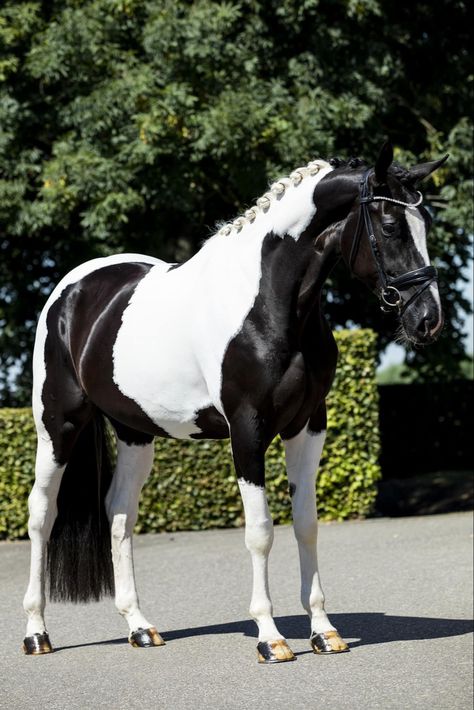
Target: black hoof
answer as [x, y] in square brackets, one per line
[274, 652]
[328, 642]
[144, 638]
[37, 644]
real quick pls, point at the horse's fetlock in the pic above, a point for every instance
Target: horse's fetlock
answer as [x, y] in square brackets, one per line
[316, 601]
[126, 604]
[122, 609]
[33, 605]
[260, 609]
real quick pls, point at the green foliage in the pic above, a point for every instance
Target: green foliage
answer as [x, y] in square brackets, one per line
[193, 484]
[134, 125]
[17, 466]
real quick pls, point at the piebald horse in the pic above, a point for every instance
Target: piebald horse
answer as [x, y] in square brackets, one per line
[232, 343]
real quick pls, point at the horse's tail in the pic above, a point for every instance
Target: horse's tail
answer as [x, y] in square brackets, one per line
[79, 556]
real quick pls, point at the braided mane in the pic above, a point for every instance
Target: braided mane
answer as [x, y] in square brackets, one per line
[279, 187]
[276, 191]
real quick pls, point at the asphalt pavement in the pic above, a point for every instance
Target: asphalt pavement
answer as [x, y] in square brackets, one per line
[399, 590]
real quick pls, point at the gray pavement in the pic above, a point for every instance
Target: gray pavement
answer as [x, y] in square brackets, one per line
[400, 590]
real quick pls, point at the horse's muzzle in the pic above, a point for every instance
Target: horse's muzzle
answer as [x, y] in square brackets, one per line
[425, 327]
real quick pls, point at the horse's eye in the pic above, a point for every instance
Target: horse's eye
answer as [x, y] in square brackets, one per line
[388, 229]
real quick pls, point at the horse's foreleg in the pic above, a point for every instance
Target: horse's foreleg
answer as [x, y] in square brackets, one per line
[249, 463]
[42, 514]
[303, 453]
[133, 468]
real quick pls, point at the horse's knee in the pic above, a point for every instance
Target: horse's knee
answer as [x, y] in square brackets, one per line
[306, 531]
[259, 536]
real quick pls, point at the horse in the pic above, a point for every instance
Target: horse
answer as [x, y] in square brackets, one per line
[231, 343]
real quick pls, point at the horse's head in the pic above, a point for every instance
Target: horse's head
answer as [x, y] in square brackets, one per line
[384, 243]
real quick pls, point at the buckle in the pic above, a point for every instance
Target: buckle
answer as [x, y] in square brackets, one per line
[391, 298]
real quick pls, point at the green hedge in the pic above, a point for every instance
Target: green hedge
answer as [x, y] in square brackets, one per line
[193, 485]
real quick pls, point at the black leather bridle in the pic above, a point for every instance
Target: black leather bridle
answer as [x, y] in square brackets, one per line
[390, 296]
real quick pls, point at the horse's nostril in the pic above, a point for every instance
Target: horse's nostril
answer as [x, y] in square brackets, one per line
[428, 325]
[425, 325]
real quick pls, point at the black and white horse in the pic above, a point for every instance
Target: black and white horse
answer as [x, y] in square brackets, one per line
[232, 343]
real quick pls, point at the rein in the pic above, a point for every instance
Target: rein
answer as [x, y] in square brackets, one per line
[390, 296]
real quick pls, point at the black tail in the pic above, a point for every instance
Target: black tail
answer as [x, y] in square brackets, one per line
[79, 550]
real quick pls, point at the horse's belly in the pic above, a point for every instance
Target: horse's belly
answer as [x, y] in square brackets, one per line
[164, 383]
[206, 423]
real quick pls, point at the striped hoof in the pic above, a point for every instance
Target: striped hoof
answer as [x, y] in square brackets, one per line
[37, 645]
[274, 652]
[144, 638]
[328, 642]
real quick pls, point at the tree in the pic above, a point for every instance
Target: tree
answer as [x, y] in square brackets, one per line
[128, 125]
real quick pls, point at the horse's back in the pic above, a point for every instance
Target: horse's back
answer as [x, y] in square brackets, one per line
[93, 265]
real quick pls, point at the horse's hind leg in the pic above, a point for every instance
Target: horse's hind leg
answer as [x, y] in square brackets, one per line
[51, 461]
[42, 514]
[303, 453]
[60, 412]
[134, 464]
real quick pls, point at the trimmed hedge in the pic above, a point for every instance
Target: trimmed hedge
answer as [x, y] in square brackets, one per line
[193, 484]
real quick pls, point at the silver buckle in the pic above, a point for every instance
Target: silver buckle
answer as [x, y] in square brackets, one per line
[391, 298]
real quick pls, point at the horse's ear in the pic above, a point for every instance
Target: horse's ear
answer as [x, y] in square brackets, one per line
[420, 172]
[384, 161]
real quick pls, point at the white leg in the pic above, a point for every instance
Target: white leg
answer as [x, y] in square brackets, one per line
[133, 467]
[258, 540]
[42, 514]
[272, 647]
[303, 454]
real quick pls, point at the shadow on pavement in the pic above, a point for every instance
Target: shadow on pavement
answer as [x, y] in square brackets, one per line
[368, 628]
[109, 642]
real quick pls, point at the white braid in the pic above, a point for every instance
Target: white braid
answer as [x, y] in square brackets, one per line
[276, 191]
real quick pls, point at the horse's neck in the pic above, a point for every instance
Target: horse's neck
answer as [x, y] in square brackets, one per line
[292, 275]
[326, 254]
[334, 199]
[275, 255]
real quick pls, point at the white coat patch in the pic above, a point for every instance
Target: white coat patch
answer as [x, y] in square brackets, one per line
[417, 227]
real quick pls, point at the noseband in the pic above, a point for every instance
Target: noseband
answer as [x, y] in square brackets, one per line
[390, 296]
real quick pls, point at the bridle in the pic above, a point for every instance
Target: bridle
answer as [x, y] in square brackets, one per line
[390, 296]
